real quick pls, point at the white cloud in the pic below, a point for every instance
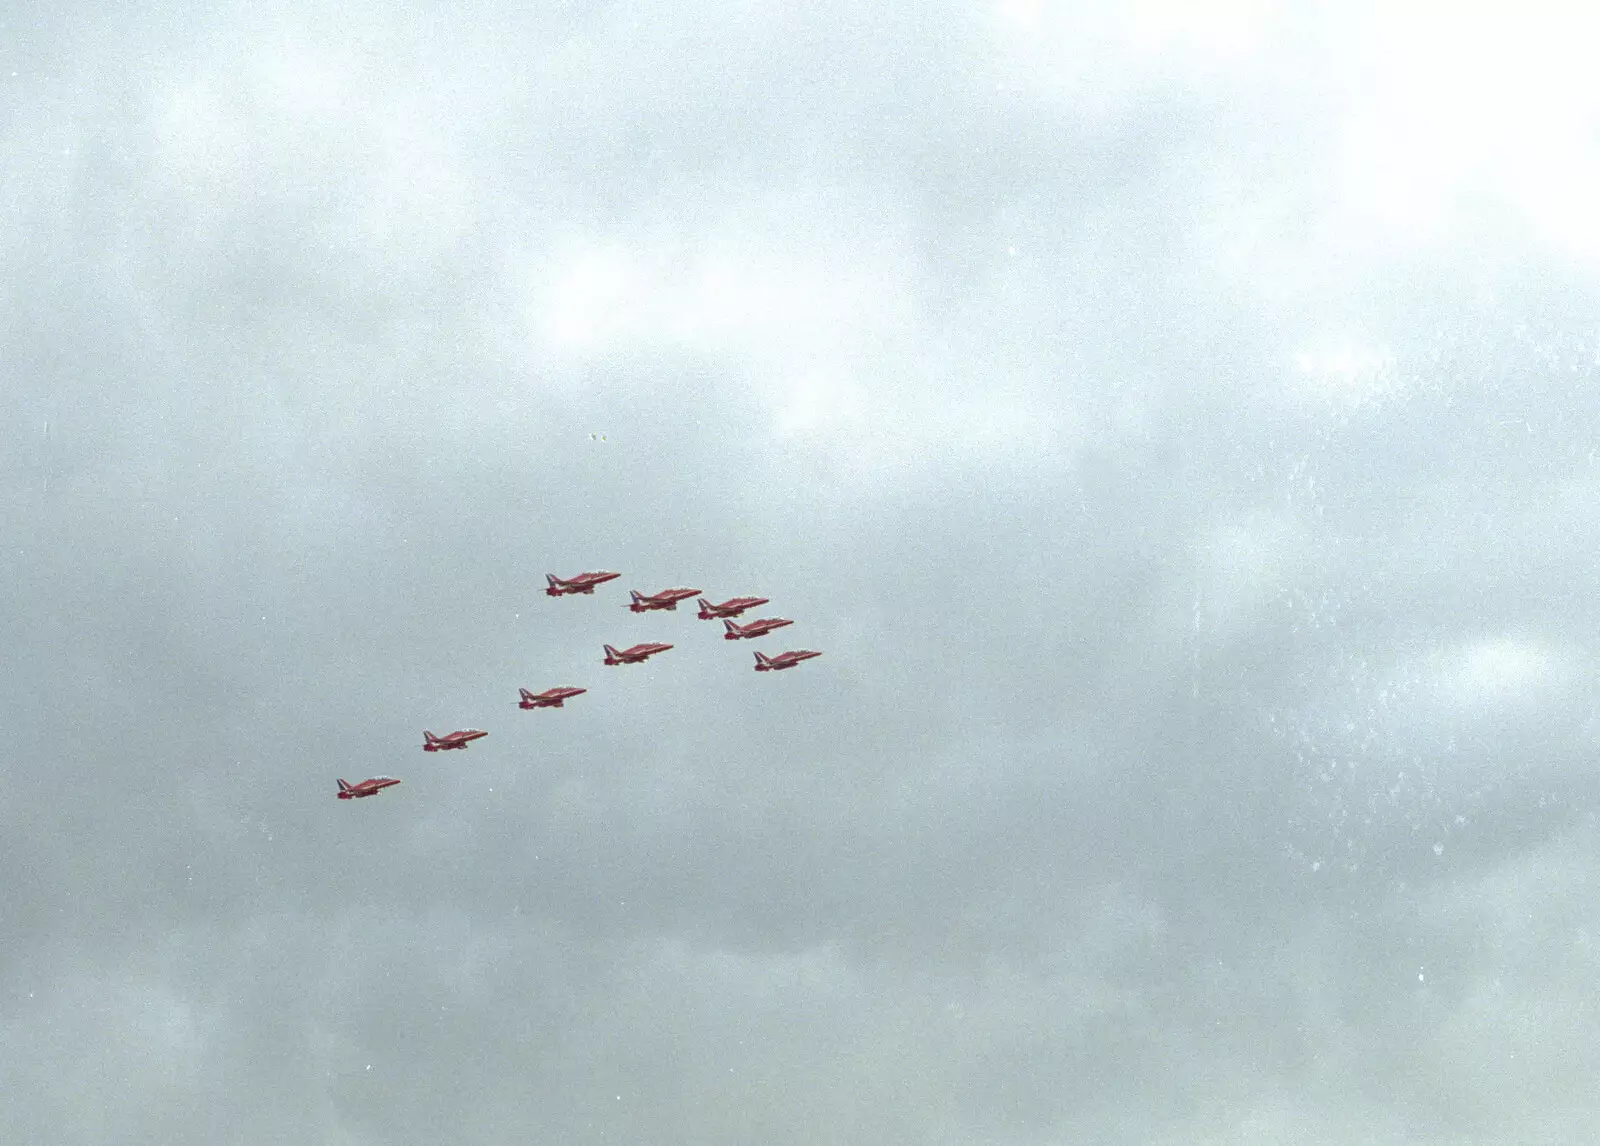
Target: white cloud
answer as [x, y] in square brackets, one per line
[1497, 672]
[300, 129]
[1446, 104]
[601, 295]
[1345, 373]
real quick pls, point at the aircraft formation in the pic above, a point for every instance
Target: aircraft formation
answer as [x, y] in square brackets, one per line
[664, 601]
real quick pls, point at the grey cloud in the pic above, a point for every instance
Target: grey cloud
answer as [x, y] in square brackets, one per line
[1200, 748]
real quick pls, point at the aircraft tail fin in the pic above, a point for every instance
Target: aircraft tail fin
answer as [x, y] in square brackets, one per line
[634, 593]
[705, 606]
[429, 737]
[526, 695]
[552, 579]
[344, 786]
[732, 628]
[763, 659]
[610, 652]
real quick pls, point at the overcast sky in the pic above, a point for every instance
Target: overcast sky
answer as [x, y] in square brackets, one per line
[1175, 422]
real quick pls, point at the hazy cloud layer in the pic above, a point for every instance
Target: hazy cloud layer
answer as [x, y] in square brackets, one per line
[1176, 423]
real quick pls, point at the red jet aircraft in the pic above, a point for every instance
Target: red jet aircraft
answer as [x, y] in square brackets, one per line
[582, 583]
[757, 628]
[634, 655]
[372, 787]
[549, 698]
[432, 743]
[729, 608]
[666, 599]
[783, 661]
